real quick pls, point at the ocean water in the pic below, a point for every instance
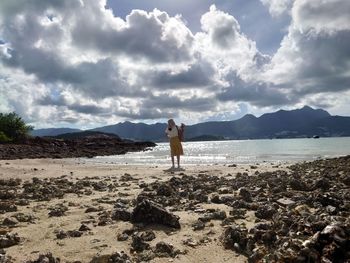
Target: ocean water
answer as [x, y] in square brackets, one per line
[239, 151]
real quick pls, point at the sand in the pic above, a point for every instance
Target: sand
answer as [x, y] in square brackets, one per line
[39, 237]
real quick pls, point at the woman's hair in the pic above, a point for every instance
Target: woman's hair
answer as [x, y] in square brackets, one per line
[171, 122]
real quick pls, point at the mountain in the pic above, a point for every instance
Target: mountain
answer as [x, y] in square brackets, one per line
[136, 131]
[53, 131]
[298, 123]
[87, 134]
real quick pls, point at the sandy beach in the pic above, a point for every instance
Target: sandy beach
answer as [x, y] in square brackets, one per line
[66, 207]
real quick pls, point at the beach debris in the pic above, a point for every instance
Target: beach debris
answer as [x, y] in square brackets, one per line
[148, 235]
[138, 244]
[61, 234]
[117, 257]
[7, 206]
[45, 258]
[265, 212]
[84, 228]
[163, 249]
[58, 210]
[9, 240]
[285, 202]
[122, 236]
[10, 221]
[121, 214]
[198, 225]
[149, 212]
[245, 194]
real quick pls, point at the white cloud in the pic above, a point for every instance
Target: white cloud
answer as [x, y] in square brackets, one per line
[76, 62]
[277, 7]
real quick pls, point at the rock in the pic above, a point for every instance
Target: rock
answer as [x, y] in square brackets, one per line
[302, 210]
[190, 242]
[199, 225]
[100, 186]
[61, 234]
[322, 183]
[9, 240]
[165, 190]
[215, 199]
[144, 256]
[118, 257]
[92, 209]
[84, 228]
[298, 185]
[216, 215]
[121, 214]
[10, 221]
[148, 212]
[245, 194]
[58, 211]
[285, 202]
[138, 244]
[21, 217]
[163, 249]
[45, 258]
[122, 236]
[6, 206]
[148, 235]
[236, 238]
[265, 212]
[331, 244]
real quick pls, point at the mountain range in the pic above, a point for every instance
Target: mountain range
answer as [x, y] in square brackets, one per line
[298, 123]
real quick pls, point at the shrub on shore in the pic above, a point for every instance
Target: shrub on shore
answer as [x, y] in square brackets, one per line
[13, 127]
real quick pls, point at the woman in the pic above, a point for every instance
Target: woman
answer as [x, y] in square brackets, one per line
[173, 132]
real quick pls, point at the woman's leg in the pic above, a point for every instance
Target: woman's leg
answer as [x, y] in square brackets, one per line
[172, 160]
[178, 160]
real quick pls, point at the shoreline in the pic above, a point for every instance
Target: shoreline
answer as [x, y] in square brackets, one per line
[207, 199]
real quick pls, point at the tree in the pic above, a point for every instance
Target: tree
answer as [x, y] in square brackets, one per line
[12, 127]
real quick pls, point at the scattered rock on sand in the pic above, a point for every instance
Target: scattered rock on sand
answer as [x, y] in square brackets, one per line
[118, 257]
[148, 212]
[9, 240]
[45, 258]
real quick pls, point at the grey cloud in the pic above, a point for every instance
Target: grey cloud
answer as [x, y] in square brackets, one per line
[258, 94]
[194, 103]
[146, 113]
[142, 37]
[199, 74]
[60, 101]
[89, 109]
[326, 62]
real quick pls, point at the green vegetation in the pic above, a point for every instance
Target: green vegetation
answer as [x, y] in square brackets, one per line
[12, 127]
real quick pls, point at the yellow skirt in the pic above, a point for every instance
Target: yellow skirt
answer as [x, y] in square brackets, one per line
[176, 146]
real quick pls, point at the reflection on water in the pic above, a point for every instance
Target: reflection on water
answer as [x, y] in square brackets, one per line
[244, 151]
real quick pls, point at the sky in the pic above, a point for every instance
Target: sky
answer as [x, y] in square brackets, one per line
[90, 63]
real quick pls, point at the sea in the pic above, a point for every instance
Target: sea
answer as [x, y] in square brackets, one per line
[237, 152]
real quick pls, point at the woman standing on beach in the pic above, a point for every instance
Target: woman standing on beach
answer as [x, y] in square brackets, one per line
[175, 135]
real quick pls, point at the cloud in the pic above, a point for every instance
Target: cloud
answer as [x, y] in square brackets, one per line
[75, 61]
[314, 56]
[277, 7]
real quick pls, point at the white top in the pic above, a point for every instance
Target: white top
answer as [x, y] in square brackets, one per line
[172, 133]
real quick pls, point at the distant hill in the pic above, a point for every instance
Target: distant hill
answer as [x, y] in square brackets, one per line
[53, 131]
[298, 123]
[86, 134]
[137, 131]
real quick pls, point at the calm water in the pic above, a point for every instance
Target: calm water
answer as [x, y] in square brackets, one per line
[243, 151]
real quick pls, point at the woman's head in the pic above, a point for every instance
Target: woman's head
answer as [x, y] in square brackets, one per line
[171, 123]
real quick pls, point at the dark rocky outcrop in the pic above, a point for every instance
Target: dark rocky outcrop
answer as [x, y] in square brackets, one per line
[39, 147]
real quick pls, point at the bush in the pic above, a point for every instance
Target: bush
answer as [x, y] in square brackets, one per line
[12, 127]
[4, 138]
